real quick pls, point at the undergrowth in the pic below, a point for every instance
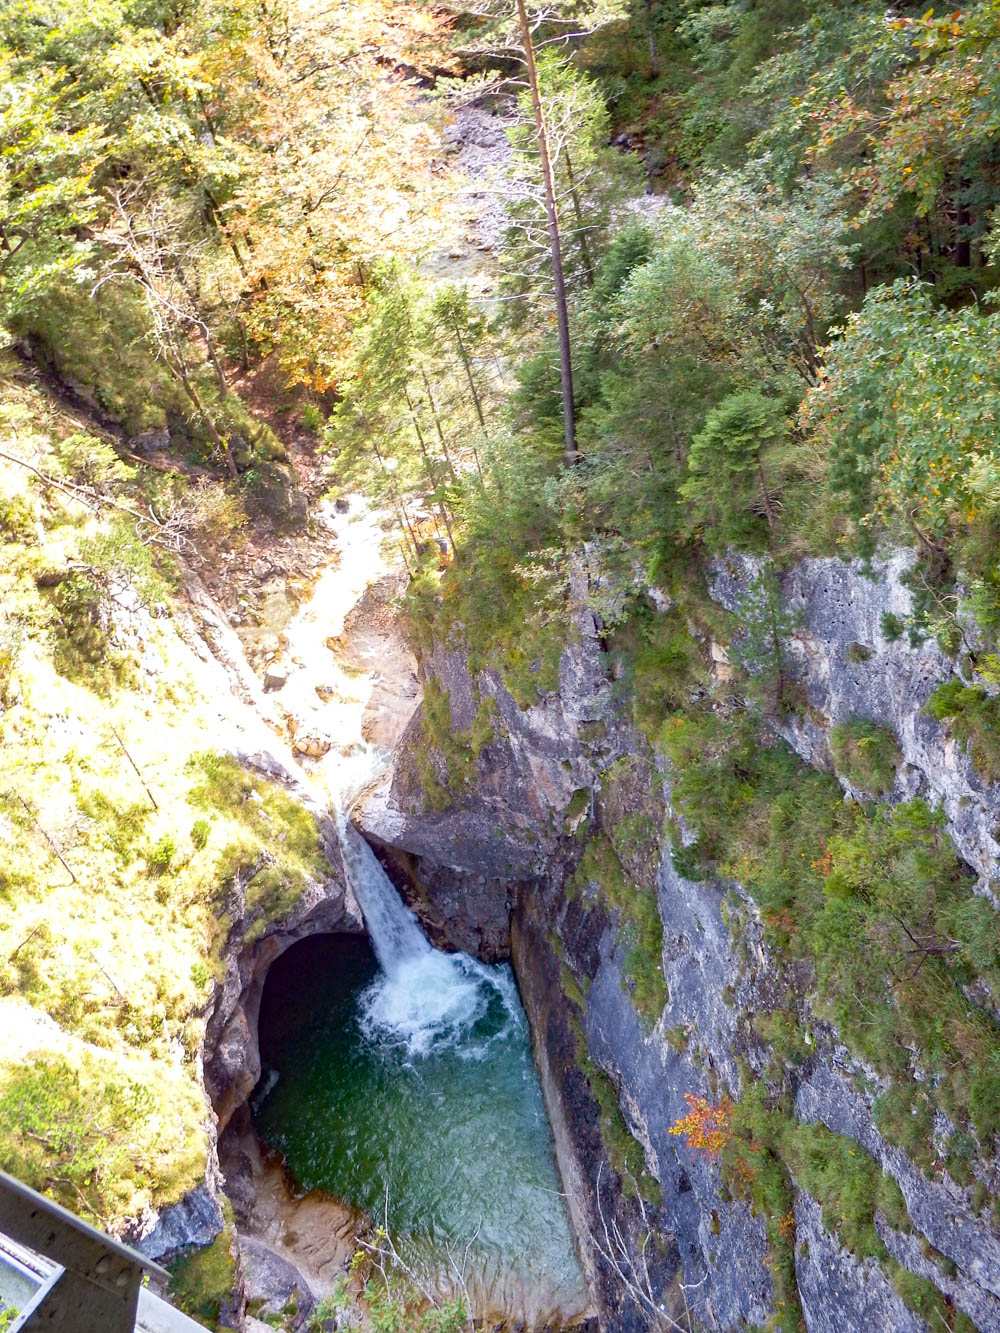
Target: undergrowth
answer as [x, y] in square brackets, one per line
[771, 1154]
[456, 752]
[973, 716]
[866, 754]
[626, 1155]
[202, 1280]
[119, 859]
[876, 899]
[640, 927]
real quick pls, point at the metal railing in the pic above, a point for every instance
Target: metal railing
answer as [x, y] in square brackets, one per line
[60, 1273]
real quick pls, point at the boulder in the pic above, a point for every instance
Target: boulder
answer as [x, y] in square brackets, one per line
[275, 677]
[150, 441]
[196, 1220]
[274, 1287]
[276, 492]
[311, 742]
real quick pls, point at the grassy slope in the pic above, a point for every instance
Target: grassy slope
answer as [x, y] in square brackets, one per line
[112, 912]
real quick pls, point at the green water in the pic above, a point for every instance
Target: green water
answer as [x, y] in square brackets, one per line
[456, 1137]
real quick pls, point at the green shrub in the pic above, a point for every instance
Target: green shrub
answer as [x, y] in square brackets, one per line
[737, 467]
[753, 1168]
[279, 848]
[161, 855]
[201, 831]
[866, 754]
[17, 520]
[848, 1184]
[892, 627]
[73, 1134]
[922, 1296]
[200, 975]
[663, 669]
[82, 650]
[86, 460]
[13, 635]
[263, 807]
[458, 751]
[974, 717]
[117, 826]
[202, 1280]
[640, 926]
[875, 898]
[313, 418]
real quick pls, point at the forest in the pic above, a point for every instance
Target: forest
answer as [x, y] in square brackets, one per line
[807, 310]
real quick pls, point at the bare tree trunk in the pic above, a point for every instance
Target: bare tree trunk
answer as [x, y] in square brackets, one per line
[175, 361]
[654, 58]
[574, 194]
[56, 852]
[555, 245]
[220, 374]
[397, 501]
[437, 423]
[135, 767]
[425, 454]
[472, 390]
[468, 375]
[241, 329]
[768, 510]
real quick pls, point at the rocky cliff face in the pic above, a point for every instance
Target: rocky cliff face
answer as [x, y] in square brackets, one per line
[564, 805]
[850, 669]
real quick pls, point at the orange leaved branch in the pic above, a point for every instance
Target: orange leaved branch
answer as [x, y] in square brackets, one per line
[705, 1128]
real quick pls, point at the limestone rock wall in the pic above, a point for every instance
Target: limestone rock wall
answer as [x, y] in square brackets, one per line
[540, 795]
[510, 825]
[839, 606]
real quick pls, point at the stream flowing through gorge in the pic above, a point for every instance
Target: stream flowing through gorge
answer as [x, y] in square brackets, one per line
[399, 1078]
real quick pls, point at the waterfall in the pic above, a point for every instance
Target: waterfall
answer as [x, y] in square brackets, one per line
[395, 932]
[424, 1000]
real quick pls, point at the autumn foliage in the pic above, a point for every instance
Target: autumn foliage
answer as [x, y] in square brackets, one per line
[705, 1128]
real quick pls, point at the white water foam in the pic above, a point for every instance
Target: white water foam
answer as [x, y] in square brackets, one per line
[425, 1000]
[441, 1001]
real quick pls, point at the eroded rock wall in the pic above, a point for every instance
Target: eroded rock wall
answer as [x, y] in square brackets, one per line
[245, 726]
[547, 786]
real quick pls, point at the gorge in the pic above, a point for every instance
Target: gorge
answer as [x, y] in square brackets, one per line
[615, 1085]
[500, 657]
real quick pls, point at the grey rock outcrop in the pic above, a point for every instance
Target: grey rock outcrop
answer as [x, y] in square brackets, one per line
[509, 825]
[196, 1220]
[274, 1287]
[232, 1055]
[721, 1245]
[940, 1210]
[837, 1290]
[839, 608]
